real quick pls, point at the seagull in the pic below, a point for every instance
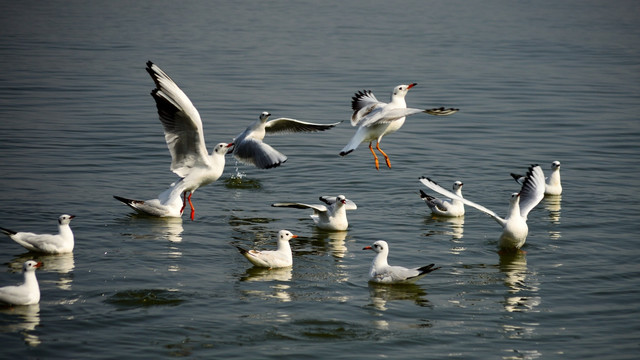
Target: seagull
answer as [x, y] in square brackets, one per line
[272, 259]
[376, 119]
[59, 243]
[185, 138]
[445, 207]
[167, 204]
[27, 293]
[382, 272]
[515, 229]
[553, 185]
[248, 146]
[333, 216]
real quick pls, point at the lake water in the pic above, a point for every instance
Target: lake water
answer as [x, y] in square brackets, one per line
[536, 81]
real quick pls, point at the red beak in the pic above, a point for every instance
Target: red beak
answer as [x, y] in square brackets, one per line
[367, 248]
[38, 264]
[411, 85]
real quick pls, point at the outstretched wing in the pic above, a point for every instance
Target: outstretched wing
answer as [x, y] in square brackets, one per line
[286, 125]
[257, 153]
[439, 189]
[181, 122]
[318, 208]
[532, 190]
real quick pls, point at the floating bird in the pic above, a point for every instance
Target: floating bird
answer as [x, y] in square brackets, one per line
[376, 119]
[185, 138]
[515, 229]
[27, 293]
[167, 204]
[270, 258]
[553, 185]
[333, 216]
[248, 146]
[59, 243]
[445, 207]
[382, 272]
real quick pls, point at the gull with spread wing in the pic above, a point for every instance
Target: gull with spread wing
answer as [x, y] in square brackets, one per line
[514, 225]
[445, 207]
[376, 119]
[332, 216]
[250, 149]
[185, 138]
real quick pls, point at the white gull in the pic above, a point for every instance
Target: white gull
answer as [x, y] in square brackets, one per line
[332, 216]
[59, 243]
[382, 272]
[445, 207]
[27, 293]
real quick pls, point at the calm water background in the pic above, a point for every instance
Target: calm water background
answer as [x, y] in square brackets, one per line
[535, 82]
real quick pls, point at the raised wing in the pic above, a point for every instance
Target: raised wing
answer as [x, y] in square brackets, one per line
[439, 189]
[181, 122]
[532, 190]
[362, 104]
[286, 125]
[257, 153]
[318, 208]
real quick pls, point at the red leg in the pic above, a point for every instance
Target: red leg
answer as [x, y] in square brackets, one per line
[375, 158]
[386, 158]
[184, 202]
[193, 210]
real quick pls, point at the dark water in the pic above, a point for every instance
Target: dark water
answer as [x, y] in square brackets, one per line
[535, 81]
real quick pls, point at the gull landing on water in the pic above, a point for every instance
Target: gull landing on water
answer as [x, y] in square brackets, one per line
[382, 272]
[514, 225]
[282, 257]
[250, 149]
[553, 185]
[59, 243]
[184, 135]
[333, 216]
[445, 207]
[376, 119]
[27, 293]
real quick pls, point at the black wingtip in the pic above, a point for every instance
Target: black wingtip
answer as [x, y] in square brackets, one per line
[8, 231]
[423, 194]
[242, 250]
[516, 176]
[343, 153]
[427, 269]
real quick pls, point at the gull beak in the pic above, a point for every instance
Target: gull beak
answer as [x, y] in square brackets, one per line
[229, 144]
[411, 85]
[367, 248]
[294, 236]
[39, 264]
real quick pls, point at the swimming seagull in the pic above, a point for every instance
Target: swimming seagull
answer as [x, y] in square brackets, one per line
[553, 185]
[376, 119]
[382, 272]
[185, 138]
[515, 229]
[332, 216]
[248, 146]
[27, 293]
[445, 207]
[167, 204]
[279, 258]
[59, 243]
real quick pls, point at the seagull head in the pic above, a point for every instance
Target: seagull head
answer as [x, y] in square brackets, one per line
[286, 235]
[401, 90]
[555, 165]
[65, 219]
[264, 116]
[31, 265]
[457, 185]
[342, 199]
[222, 148]
[378, 246]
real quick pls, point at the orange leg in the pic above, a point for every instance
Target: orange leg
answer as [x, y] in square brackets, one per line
[184, 202]
[386, 158]
[374, 157]
[193, 210]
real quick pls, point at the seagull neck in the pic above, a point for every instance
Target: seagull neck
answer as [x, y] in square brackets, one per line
[65, 230]
[380, 260]
[514, 209]
[30, 279]
[554, 179]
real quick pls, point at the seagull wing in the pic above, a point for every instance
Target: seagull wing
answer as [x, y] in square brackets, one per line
[362, 104]
[257, 153]
[181, 122]
[286, 125]
[318, 208]
[532, 190]
[439, 189]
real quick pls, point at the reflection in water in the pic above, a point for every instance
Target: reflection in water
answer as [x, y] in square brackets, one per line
[552, 205]
[450, 226]
[62, 264]
[26, 317]
[380, 294]
[279, 290]
[514, 266]
[336, 240]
